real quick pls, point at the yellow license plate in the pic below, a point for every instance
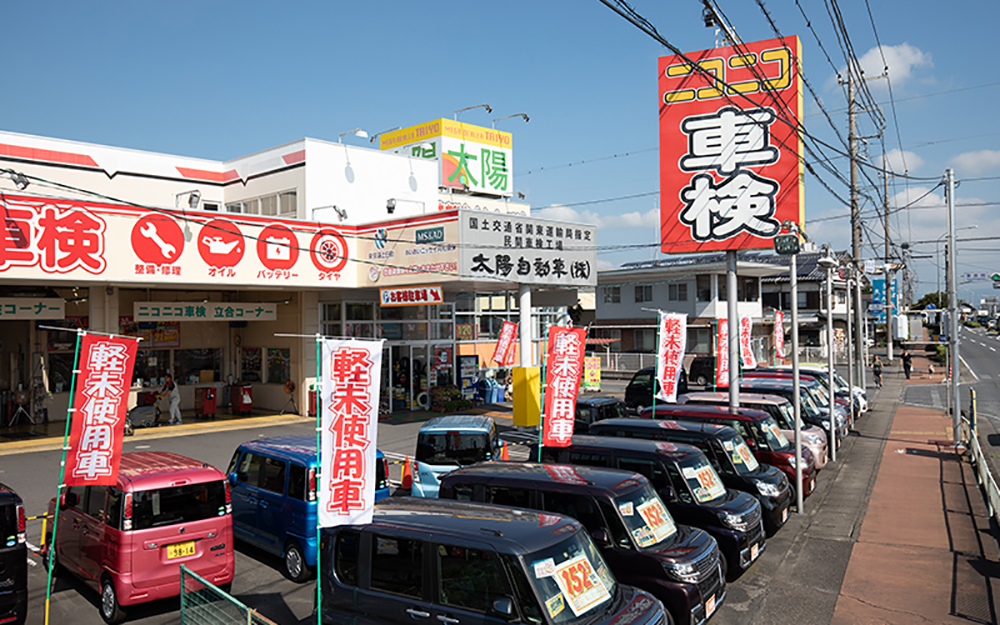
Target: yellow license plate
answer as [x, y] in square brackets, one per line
[710, 606]
[754, 552]
[180, 550]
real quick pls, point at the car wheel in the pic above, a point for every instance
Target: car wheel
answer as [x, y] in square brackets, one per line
[226, 588]
[56, 569]
[725, 567]
[701, 380]
[638, 409]
[111, 612]
[670, 617]
[295, 563]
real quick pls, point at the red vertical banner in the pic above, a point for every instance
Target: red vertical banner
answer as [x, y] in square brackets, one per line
[562, 383]
[779, 336]
[722, 353]
[746, 347]
[672, 343]
[503, 353]
[100, 403]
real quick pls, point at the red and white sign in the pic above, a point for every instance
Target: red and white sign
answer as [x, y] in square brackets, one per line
[746, 348]
[503, 353]
[410, 296]
[722, 354]
[100, 402]
[221, 244]
[562, 383]
[779, 336]
[278, 247]
[329, 251]
[157, 239]
[672, 339]
[731, 164]
[351, 375]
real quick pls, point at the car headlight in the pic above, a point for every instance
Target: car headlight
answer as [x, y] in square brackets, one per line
[826, 424]
[791, 461]
[732, 520]
[681, 572]
[767, 489]
[814, 439]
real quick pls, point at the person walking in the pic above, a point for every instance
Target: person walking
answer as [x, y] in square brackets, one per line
[877, 370]
[174, 398]
[907, 363]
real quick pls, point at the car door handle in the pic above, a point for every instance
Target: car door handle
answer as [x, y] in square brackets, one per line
[263, 504]
[417, 613]
[447, 619]
[251, 500]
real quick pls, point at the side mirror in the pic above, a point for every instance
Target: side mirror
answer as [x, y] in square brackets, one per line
[751, 443]
[232, 479]
[503, 606]
[71, 500]
[601, 537]
[667, 493]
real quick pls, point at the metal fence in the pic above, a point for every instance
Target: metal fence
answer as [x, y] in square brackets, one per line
[203, 603]
[984, 478]
[617, 361]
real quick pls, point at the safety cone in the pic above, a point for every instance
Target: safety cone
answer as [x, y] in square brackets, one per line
[503, 453]
[406, 480]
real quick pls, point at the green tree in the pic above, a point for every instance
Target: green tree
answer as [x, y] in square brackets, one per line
[937, 298]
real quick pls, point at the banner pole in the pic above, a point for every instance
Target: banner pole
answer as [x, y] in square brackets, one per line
[62, 474]
[541, 413]
[319, 467]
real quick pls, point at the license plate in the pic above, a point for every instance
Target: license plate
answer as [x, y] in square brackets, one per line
[710, 606]
[812, 484]
[754, 552]
[784, 515]
[180, 550]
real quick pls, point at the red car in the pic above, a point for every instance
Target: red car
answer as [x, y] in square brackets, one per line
[128, 541]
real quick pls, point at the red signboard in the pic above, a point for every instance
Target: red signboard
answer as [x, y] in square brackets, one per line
[562, 382]
[722, 354]
[730, 157]
[672, 343]
[503, 353]
[100, 402]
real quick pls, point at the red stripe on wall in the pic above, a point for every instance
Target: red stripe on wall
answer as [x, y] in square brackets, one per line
[52, 156]
[201, 174]
[295, 157]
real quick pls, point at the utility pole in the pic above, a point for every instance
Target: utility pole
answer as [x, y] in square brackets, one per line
[956, 362]
[890, 319]
[855, 228]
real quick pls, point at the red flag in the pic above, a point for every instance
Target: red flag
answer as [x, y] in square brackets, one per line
[722, 354]
[562, 382]
[100, 403]
[503, 353]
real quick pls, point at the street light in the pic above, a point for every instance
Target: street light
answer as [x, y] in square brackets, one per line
[524, 115]
[828, 262]
[357, 132]
[489, 109]
[939, 268]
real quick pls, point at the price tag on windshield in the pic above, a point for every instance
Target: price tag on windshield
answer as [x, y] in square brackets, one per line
[776, 433]
[711, 487]
[657, 519]
[742, 454]
[580, 584]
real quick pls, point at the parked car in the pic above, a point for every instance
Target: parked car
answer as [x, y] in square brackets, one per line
[639, 392]
[685, 480]
[424, 560]
[13, 558]
[841, 387]
[778, 407]
[446, 443]
[678, 564]
[592, 409]
[728, 453]
[128, 541]
[702, 370]
[757, 428]
[811, 411]
[273, 484]
[814, 386]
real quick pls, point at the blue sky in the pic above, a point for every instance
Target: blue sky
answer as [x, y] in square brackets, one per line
[217, 80]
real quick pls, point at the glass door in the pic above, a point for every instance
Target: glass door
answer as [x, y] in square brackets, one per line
[400, 377]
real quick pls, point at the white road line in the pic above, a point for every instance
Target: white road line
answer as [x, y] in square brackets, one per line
[962, 360]
[992, 349]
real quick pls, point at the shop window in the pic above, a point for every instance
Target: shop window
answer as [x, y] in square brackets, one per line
[330, 319]
[151, 366]
[489, 326]
[279, 365]
[251, 207]
[704, 286]
[465, 327]
[677, 292]
[251, 364]
[698, 340]
[723, 290]
[234, 207]
[288, 205]
[210, 206]
[363, 311]
[269, 205]
[60, 371]
[465, 302]
[196, 366]
[749, 289]
[645, 340]
[442, 330]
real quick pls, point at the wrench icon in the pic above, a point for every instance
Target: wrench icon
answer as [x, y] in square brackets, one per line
[148, 230]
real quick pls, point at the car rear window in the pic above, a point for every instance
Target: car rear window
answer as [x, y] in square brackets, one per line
[459, 448]
[178, 504]
[8, 521]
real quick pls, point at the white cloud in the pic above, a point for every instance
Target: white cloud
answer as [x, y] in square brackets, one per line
[646, 221]
[900, 162]
[916, 197]
[603, 265]
[977, 162]
[901, 60]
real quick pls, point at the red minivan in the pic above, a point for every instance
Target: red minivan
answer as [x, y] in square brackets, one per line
[128, 541]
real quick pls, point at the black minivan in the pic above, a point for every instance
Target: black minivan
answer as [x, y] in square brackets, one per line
[13, 558]
[639, 392]
[685, 480]
[678, 564]
[426, 560]
[728, 453]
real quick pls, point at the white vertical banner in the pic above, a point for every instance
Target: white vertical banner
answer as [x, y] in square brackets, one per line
[779, 336]
[670, 348]
[351, 372]
[746, 348]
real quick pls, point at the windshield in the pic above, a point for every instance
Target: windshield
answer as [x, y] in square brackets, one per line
[807, 404]
[818, 394]
[841, 382]
[645, 517]
[739, 455]
[458, 448]
[8, 523]
[701, 479]
[571, 578]
[178, 504]
[776, 441]
[787, 412]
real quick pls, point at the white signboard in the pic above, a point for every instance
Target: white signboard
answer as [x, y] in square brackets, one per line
[351, 376]
[410, 296]
[32, 308]
[204, 311]
[527, 250]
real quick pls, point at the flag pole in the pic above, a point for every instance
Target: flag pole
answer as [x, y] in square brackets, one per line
[541, 413]
[62, 473]
[319, 465]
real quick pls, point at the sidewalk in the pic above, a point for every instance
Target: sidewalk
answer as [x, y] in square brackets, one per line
[896, 532]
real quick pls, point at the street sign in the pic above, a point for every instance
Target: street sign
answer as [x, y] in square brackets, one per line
[870, 265]
[978, 276]
[876, 306]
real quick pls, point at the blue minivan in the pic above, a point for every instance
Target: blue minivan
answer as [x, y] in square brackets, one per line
[273, 485]
[448, 443]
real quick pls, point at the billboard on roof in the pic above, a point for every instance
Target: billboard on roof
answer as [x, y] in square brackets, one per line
[731, 165]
